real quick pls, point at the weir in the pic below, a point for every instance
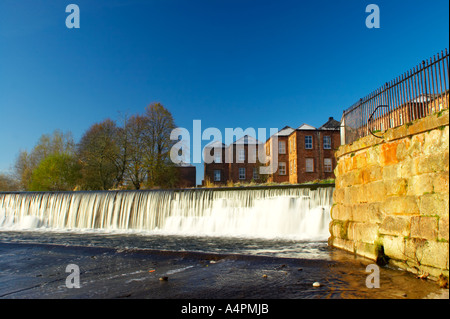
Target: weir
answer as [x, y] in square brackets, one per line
[293, 212]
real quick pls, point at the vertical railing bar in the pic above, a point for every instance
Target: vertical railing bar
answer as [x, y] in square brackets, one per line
[430, 103]
[418, 93]
[423, 87]
[397, 106]
[435, 79]
[441, 95]
[402, 106]
[390, 103]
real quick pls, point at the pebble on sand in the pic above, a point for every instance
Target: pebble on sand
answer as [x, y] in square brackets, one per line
[164, 278]
[316, 284]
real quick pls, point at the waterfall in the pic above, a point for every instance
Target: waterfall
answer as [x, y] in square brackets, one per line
[286, 212]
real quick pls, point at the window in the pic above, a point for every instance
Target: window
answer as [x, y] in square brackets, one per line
[217, 176]
[241, 155]
[241, 172]
[255, 173]
[309, 165]
[308, 142]
[327, 166]
[327, 142]
[401, 118]
[281, 147]
[282, 168]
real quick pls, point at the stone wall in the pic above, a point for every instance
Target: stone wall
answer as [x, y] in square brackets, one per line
[391, 198]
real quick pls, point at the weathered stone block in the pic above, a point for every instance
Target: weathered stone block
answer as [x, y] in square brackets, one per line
[365, 232]
[403, 149]
[435, 254]
[394, 247]
[370, 174]
[392, 171]
[367, 213]
[341, 212]
[338, 195]
[344, 244]
[432, 163]
[440, 182]
[396, 186]
[434, 204]
[443, 228]
[433, 142]
[401, 205]
[408, 167]
[388, 153]
[396, 225]
[376, 192]
[366, 250]
[424, 227]
[420, 184]
[335, 228]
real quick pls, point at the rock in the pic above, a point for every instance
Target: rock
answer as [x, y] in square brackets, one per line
[164, 278]
[264, 276]
[300, 269]
[316, 284]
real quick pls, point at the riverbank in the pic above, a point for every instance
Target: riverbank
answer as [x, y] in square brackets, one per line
[37, 271]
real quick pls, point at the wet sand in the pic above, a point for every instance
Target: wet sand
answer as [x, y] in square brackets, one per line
[36, 271]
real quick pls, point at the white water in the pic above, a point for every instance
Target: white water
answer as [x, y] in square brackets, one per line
[295, 213]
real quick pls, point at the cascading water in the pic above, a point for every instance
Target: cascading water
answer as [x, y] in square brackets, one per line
[297, 213]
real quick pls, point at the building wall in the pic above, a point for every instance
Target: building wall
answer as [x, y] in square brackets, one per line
[282, 158]
[249, 163]
[299, 155]
[392, 196]
[186, 176]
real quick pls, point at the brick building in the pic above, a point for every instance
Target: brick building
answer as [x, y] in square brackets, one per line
[237, 162]
[186, 176]
[304, 154]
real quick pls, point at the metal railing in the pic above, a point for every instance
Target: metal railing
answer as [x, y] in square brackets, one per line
[419, 92]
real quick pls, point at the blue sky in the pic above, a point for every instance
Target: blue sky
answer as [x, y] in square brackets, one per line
[228, 63]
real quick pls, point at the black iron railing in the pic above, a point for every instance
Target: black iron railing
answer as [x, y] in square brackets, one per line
[421, 91]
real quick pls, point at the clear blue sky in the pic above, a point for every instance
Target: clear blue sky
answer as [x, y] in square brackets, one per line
[228, 63]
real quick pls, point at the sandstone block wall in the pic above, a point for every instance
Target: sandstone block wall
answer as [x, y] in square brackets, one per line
[392, 196]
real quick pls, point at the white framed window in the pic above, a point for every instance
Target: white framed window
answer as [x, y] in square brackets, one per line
[327, 165]
[242, 155]
[217, 175]
[281, 147]
[282, 168]
[309, 165]
[241, 172]
[308, 142]
[255, 173]
[327, 142]
[401, 118]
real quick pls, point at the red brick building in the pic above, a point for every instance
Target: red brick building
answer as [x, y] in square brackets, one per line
[186, 176]
[302, 155]
[305, 154]
[237, 162]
